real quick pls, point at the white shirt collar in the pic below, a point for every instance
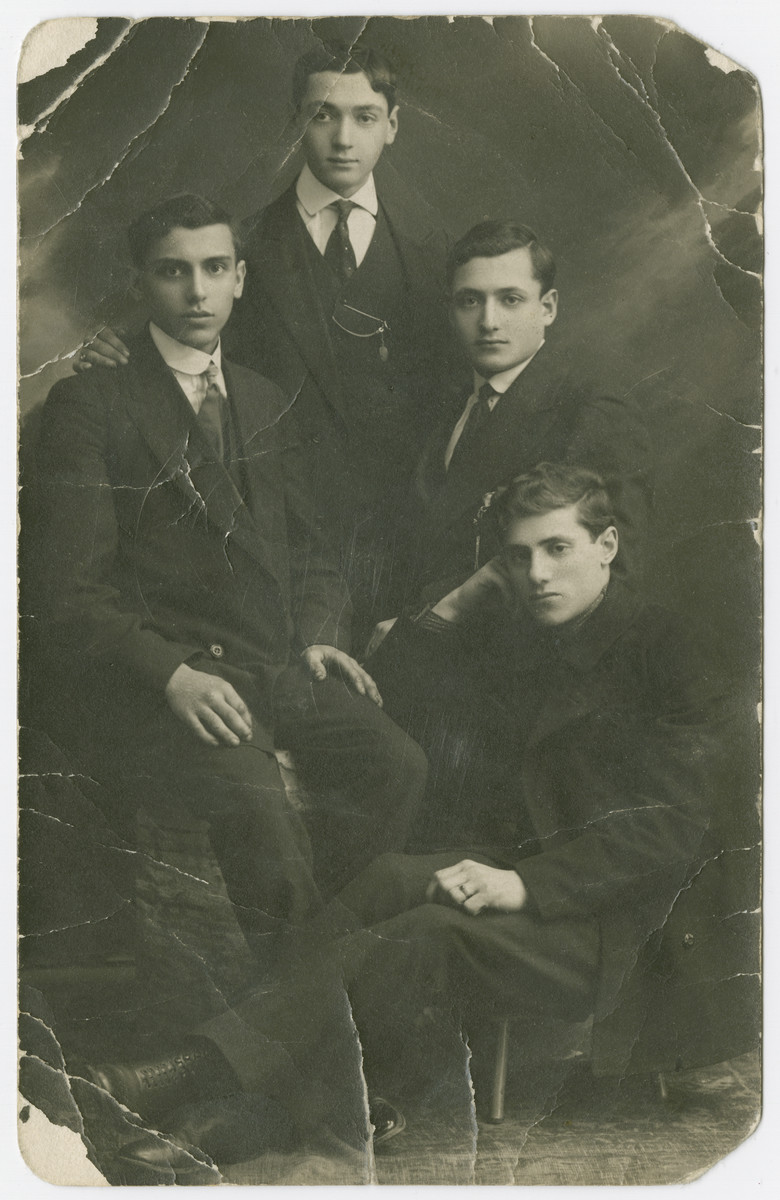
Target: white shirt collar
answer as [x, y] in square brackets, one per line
[179, 357]
[314, 196]
[503, 380]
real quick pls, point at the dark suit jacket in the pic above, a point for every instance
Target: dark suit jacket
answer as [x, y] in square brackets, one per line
[282, 328]
[548, 414]
[151, 556]
[616, 744]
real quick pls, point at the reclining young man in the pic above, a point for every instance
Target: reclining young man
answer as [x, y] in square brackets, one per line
[592, 727]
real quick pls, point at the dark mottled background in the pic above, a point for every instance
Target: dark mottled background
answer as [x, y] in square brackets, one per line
[618, 139]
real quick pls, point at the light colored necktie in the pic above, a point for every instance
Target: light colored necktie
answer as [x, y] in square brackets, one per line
[210, 414]
[339, 252]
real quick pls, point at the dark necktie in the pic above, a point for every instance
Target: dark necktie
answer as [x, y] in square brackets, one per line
[210, 412]
[339, 254]
[476, 420]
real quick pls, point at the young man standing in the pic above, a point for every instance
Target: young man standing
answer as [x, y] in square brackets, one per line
[195, 615]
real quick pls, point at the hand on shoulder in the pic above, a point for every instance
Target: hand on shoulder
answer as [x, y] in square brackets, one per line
[105, 350]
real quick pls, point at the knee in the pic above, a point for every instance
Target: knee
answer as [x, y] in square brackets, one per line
[235, 781]
[438, 922]
[389, 885]
[428, 929]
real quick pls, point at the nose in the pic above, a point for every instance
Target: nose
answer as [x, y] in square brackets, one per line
[343, 134]
[489, 315]
[197, 286]
[538, 568]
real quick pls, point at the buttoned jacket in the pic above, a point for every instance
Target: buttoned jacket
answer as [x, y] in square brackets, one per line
[153, 554]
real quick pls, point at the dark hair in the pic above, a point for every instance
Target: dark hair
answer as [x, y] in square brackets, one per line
[556, 485]
[489, 239]
[348, 60]
[186, 211]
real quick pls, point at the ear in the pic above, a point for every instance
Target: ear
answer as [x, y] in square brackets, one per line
[240, 277]
[550, 306]
[608, 541]
[392, 127]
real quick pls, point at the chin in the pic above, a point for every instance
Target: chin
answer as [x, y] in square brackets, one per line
[200, 341]
[341, 179]
[490, 366]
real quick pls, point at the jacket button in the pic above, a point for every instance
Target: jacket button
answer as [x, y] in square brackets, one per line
[688, 939]
[216, 651]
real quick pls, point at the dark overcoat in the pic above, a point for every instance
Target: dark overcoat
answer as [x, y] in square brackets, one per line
[629, 778]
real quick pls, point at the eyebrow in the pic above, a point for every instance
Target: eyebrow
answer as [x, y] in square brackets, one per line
[518, 547]
[505, 291]
[185, 262]
[318, 105]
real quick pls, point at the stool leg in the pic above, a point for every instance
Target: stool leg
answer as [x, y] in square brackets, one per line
[496, 1114]
[663, 1091]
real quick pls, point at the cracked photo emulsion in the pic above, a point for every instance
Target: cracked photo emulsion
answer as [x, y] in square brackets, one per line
[391, 402]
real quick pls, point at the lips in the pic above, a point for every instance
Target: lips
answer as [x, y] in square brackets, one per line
[198, 316]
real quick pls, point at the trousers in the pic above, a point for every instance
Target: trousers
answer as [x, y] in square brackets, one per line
[363, 781]
[382, 978]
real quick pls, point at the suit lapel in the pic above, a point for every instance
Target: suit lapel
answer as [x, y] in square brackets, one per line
[253, 417]
[162, 415]
[283, 277]
[420, 243]
[159, 409]
[503, 447]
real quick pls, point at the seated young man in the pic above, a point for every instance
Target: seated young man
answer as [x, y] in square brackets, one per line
[604, 723]
[195, 618]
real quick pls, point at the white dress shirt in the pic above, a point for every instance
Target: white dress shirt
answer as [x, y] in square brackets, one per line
[500, 383]
[313, 200]
[189, 365]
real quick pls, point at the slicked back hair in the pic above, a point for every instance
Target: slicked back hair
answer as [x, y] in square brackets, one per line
[550, 486]
[186, 211]
[490, 239]
[347, 60]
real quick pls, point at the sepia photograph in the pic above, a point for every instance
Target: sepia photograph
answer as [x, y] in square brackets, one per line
[390, 501]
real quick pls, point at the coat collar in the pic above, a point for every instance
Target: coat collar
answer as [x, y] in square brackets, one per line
[583, 647]
[580, 688]
[314, 195]
[502, 381]
[186, 359]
